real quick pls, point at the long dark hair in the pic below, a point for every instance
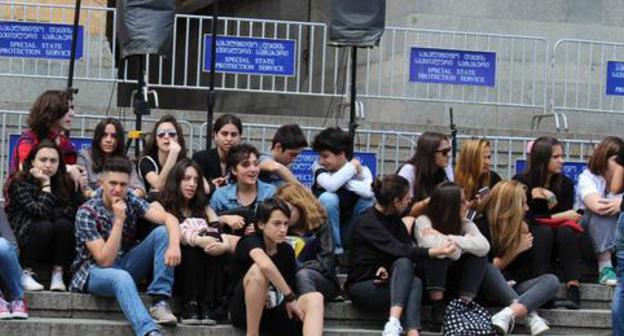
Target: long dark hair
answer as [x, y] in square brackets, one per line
[49, 107]
[60, 183]
[97, 155]
[171, 197]
[151, 149]
[389, 189]
[426, 172]
[444, 208]
[536, 171]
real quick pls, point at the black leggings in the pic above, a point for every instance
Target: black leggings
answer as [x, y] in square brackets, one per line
[462, 277]
[49, 241]
[563, 242]
[201, 276]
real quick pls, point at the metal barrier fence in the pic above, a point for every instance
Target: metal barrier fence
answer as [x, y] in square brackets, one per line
[579, 76]
[392, 148]
[521, 68]
[97, 62]
[320, 70]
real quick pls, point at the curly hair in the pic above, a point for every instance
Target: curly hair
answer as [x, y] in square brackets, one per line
[49, 107]
[313, 214]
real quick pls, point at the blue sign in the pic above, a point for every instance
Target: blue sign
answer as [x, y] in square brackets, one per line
[302, 166]
[447, 66]
[615, 78]
[38, 40]
[250, 55]
[570, 169]
[79, 143]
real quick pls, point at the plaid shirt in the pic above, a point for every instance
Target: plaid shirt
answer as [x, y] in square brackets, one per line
[28, 140]
[94, 221]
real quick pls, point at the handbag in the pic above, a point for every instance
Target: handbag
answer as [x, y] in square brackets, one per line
[467, 318]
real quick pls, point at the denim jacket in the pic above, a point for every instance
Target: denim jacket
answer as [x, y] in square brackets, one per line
[225, 198]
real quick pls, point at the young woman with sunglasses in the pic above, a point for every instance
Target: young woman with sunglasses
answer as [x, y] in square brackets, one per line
[164, 148]
[426, 169]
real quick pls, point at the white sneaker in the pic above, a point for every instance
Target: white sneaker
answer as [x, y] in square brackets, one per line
[28, 283]
[503, 321]
[56, 283]
[392, 328]
[537, 324]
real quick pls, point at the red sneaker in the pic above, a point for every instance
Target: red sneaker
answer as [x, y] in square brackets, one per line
[5, 312]
[19, 308]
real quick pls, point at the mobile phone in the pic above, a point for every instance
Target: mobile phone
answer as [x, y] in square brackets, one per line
[483, 191]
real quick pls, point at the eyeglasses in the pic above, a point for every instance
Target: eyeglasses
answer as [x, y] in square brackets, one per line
[443, 151]
[170, 132]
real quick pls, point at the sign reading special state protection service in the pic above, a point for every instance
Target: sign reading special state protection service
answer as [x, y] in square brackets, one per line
[459, 67]
[250, 55]
[615, 78]
[38, 40]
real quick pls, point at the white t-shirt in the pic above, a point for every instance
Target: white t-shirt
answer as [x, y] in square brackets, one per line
[407, 171]
[590, 183]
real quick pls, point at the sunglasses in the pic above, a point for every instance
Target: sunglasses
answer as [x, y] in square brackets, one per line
[170, 132]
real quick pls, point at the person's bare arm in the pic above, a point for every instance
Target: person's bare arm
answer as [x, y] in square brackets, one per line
[105, 252]
[156, 214]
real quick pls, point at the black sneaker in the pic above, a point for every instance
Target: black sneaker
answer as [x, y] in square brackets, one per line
[190, 313]
[572, 300]
[207, 315]
[574, 296]
[437, 315]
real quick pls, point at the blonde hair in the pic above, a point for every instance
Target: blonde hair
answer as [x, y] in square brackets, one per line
[312, 212]
[468, 170]
[504, 211]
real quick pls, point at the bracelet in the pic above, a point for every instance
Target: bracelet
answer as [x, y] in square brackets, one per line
[45, 185]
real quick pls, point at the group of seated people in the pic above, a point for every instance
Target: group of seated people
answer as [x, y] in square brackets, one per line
[247, 243]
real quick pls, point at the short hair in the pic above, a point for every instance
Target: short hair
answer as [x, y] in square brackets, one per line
[290, 136]
[240, 153]
[117, 164]
[268, 206]
[334, 140]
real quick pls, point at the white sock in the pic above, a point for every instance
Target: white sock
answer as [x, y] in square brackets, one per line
[604, 263]
[394, 320]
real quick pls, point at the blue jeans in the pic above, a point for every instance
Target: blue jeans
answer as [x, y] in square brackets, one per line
[120, 279]
[331, 203]
[10, 270]
[618, 298]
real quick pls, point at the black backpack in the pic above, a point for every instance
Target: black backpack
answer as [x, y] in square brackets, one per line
[466, 318]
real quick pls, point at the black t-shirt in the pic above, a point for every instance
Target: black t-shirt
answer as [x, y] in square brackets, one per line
[284, 259]
[494, 179]
[210, 163]
[538, 208]
[148, 164]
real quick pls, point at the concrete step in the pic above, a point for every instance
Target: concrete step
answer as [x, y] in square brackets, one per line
[81, 327]
[337, 314]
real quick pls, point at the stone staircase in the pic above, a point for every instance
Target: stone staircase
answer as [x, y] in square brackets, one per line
[71, 314]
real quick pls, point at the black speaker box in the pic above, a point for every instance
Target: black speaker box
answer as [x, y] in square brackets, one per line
[145, 26]
[358, 23]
